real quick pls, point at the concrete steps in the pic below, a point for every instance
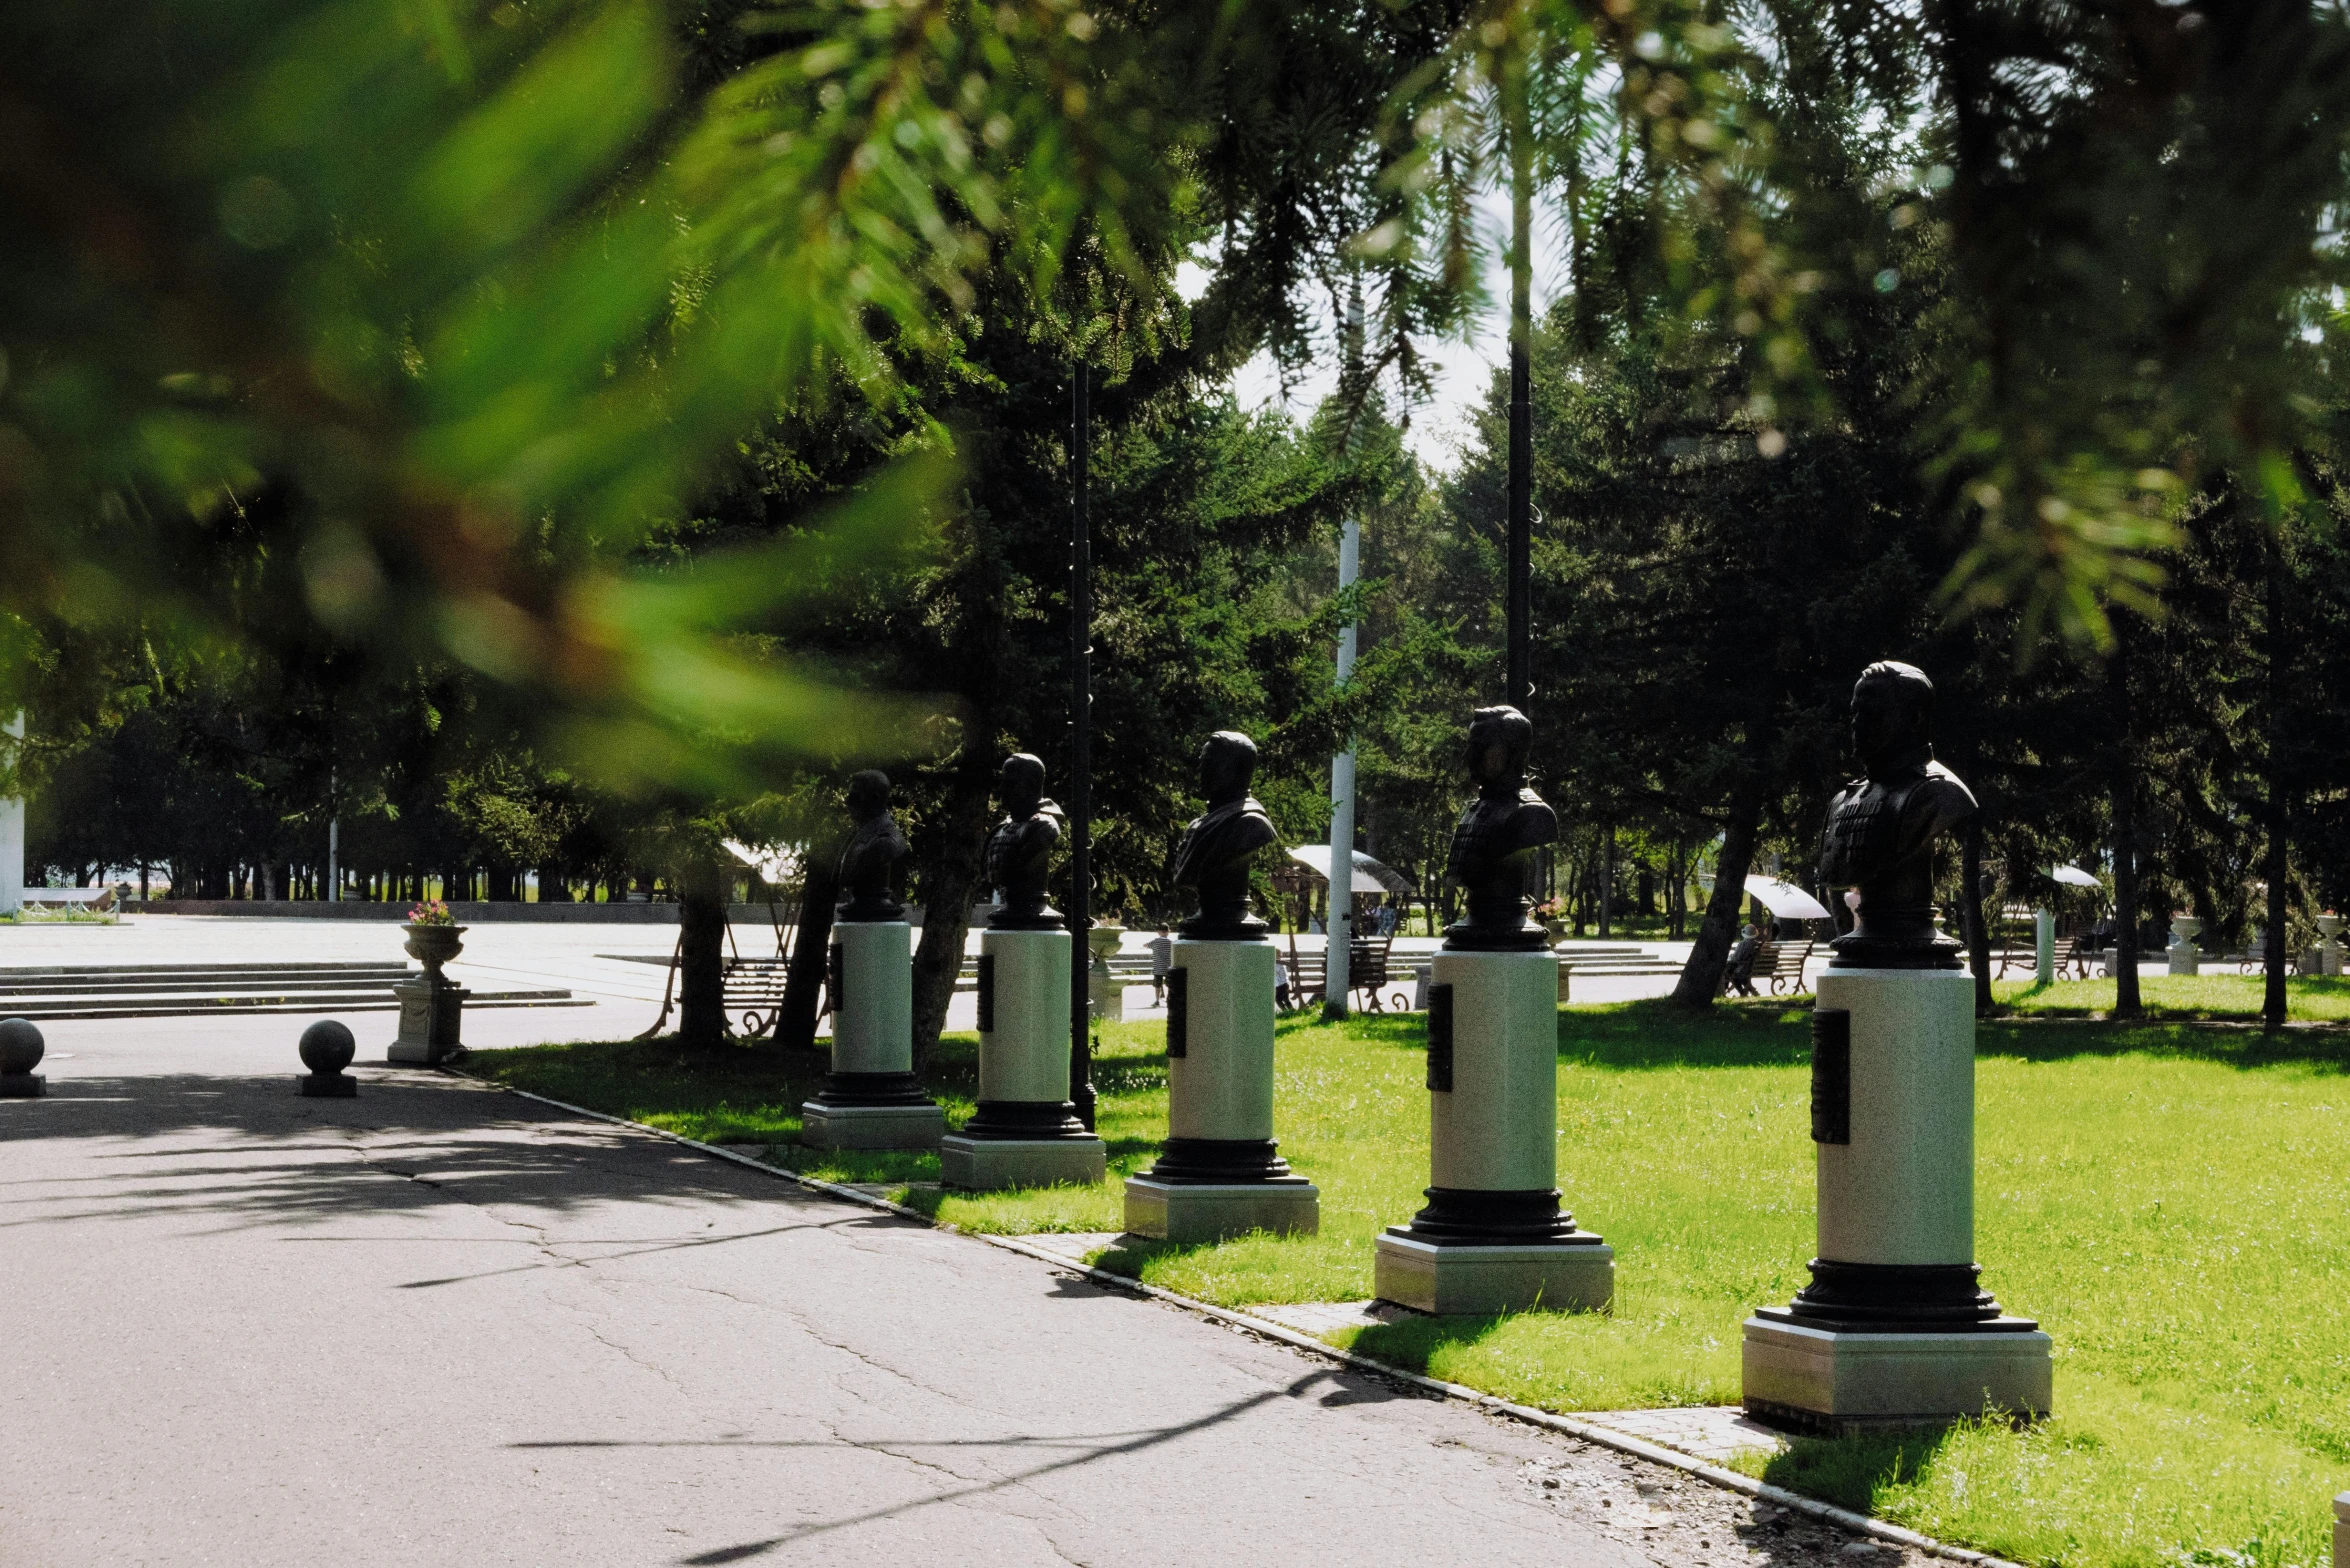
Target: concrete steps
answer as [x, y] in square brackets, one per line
[204, 990]
[1609, 959]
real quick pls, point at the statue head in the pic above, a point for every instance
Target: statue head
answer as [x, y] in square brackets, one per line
[1499, 739]
[1227, 762]
[868, 795]
[1892, 712]
[1023, 784]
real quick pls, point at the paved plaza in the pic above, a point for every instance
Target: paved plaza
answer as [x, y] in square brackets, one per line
[442, 1324]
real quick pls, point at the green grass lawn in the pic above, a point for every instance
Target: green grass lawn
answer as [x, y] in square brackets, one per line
[2231, 996]
[2168, 1200]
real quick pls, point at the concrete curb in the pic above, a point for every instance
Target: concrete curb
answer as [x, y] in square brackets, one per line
[1620, 1442]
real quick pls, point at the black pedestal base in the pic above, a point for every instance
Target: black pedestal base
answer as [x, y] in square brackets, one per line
[1220, 1162]
[1469, 1217]
[23, 1086]
[1024, 1121]
[326, 1086]
[1896, 1298]
[852, 1089]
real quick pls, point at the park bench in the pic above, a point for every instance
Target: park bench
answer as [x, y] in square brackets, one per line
[1368, 971]
[2066, 955]
[1787, 961]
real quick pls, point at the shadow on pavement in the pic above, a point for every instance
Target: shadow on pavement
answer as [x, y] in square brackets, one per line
[251, 1152]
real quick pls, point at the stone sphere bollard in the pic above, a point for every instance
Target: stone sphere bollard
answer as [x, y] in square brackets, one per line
[21, 1049]
[327, 1048]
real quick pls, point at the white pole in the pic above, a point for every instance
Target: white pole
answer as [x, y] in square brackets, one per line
[12, 826]
[334, 842]
[1338, 946]
[2044, 947]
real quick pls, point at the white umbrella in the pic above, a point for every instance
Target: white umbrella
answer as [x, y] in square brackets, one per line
[1369, 875]
[1785, 899]
[2074, 876]
[776, 866]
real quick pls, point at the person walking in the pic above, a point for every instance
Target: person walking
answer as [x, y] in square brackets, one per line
[1162, 951]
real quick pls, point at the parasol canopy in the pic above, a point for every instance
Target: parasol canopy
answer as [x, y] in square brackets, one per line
[776, 866]
[1370, 876]
[2074, 876]
[1785, 899]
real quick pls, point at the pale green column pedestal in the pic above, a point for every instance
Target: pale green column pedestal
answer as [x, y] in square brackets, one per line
[1023, 1060]
[873, 1034]
[1495, 1130]
[1220, 1091]
[1899, 1192]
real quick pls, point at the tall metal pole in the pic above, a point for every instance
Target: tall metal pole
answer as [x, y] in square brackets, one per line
[334, 841]
[1080, 753]
[1338, 944]
[1521, 481]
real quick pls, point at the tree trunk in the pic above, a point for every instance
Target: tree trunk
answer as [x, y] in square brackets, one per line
[1607, 881]
[701, 956]
[1701, 977]
[1970, 896]
[952, 863]
[2124, 785]
[2278, 865]
[811, 949]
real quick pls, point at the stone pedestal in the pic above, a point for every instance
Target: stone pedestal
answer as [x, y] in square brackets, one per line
[2044, 946]
[1493, 1237]
[2342, 1530]
[872, 1100]
[2329, 951]
[2184, 956]
[432, 1020]
[1893, 1327]
[1025, 1132]
[1220, 1173]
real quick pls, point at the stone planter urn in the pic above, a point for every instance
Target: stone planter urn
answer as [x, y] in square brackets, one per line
[2329, 951]
[433, 946]
[2185, 958]
[1109, 997]
[432, 1006]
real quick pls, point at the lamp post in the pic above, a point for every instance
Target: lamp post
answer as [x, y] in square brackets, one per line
[1520, 597]
[1080, 746]
[1339, 930]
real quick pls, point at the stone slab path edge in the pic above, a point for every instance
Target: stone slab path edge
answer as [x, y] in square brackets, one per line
[1604, 1437]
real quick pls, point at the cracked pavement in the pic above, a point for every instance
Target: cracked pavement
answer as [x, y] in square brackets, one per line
[438, 1324]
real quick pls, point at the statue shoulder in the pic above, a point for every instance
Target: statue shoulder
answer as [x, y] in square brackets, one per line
[1946, 791]
[1535, 821]
[1253, 829]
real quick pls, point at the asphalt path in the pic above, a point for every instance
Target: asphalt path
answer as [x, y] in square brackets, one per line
[440, 1324]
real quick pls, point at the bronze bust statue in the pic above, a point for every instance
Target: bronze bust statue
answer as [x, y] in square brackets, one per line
[1494, 843]
[1882, 827]
[1019, 851]
[869, 860]
[1214, 856]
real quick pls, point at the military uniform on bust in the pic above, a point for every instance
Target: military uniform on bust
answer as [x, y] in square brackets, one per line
[1493, 1237]
[1220, 1172]
[1893, 1325]
[1025, 1131]
[871, 1099]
